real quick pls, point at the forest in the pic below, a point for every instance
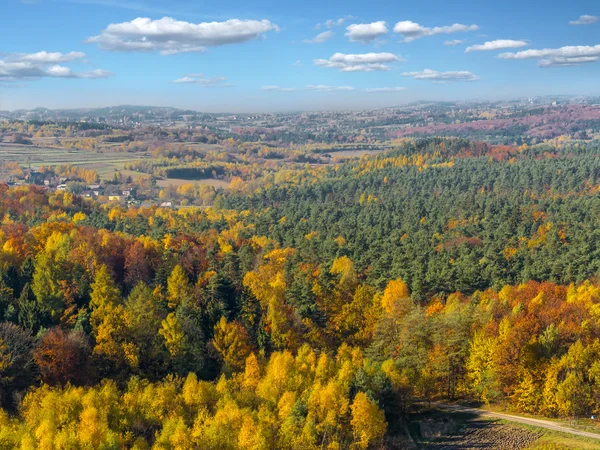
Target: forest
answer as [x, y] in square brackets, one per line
[308, 310]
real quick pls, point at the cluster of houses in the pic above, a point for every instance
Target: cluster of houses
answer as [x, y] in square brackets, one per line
[125, 195]
[58, 183]
[103, 192]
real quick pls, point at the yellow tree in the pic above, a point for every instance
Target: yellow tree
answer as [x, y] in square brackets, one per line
[268, 285]
[357, 319]
[178, 287]
[173, 334]
[111, 322]
[396, 298]
[481, 369]
[328, 408]
[252, 372]
[232, 343]
[104, 290]
[368, 422]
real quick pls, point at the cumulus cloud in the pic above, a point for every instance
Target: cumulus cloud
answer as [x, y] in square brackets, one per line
[320, 38]
[202, 80]
[584, 20]
[441, 77]
[412, 30]
[382, 90]
[499, 44]
[365, 62]
[366, 32]
[274, 88]
[571, 55]
[325, 88]
[22, 66]
[169, 36]
[453, 42]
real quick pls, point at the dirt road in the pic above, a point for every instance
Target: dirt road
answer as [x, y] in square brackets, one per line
[524, 420]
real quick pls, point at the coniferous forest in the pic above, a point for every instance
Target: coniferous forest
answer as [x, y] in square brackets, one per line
[309, 312]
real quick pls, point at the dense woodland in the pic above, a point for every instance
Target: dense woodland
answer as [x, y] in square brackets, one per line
[310, 310]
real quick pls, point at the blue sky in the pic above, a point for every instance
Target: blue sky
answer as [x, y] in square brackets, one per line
[266, 55]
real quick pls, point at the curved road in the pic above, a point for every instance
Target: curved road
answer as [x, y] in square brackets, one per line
[524, 420]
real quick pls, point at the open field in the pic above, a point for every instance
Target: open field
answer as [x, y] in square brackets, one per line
[584, 424]
[538, 422]
[437, 430]
[480, 433]
[134, 174]
[553, 440]
[105, 164]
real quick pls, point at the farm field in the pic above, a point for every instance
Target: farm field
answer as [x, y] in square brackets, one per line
[33, 156]
[105, 163]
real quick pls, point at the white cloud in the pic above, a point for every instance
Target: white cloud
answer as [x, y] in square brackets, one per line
[320, 38]
[298, 64]
[330, 23]
[499, 44]
[442, 77]
[325, 88]
[10, 71]
[185, 80]
[565, 62]
[97, 73]
[453, 42]
[45, 57]
[277, 89]
[553, 57]
[22, 66]
[412, 30]
[59, 71]
[65, 72]
[384, 90]
[335, 23]
[200, 79]
[366, 32]
[170, 36]
[584, 20]
[364, 62]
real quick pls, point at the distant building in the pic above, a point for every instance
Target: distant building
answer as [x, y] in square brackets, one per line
[89, 193]
[166, 205]
[34, 177]
[61, 187]
[115, 198]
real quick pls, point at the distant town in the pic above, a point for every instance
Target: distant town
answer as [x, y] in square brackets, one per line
[136, 155]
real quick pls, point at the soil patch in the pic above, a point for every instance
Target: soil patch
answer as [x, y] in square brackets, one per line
[479, 434]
